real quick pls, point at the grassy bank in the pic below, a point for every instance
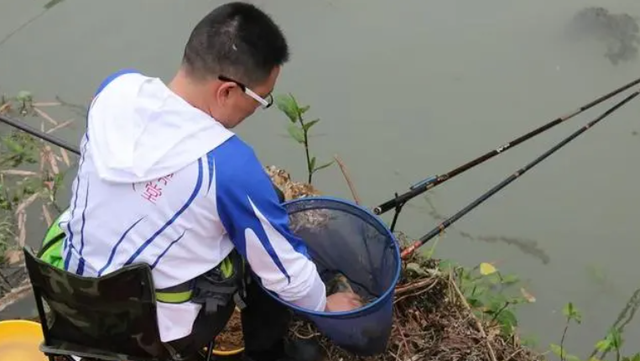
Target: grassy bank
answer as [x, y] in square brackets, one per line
[442, 310]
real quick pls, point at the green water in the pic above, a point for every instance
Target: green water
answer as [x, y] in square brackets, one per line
[406, 90]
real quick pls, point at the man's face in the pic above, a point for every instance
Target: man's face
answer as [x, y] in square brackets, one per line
[237, 101]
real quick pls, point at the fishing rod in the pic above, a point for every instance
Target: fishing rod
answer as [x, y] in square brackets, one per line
[399, 200]
[442, 226]
[39, 134]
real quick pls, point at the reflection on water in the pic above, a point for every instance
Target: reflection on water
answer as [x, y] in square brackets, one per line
[619, 32]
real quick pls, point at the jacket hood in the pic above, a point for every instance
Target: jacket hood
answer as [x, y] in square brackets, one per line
[139, 130]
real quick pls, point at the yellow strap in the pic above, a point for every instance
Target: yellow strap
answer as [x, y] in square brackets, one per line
[173, 297]
[226, 267]
[180, 297]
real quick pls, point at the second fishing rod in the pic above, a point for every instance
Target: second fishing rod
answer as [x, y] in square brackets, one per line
[399, 200]
[445, 224]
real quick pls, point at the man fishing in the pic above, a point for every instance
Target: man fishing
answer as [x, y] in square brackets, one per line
[163, 180]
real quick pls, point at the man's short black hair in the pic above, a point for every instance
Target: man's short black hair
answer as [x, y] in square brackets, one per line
[236, 40]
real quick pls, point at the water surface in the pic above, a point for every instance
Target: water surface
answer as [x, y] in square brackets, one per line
[406, 90]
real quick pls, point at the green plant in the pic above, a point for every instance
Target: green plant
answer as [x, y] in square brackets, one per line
[31, 173]
[611, 342]
[6, 234]
[490, 294]
[299, 129]
[572, 314]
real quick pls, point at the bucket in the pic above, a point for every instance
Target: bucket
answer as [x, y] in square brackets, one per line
[20, 341]
[342, 237]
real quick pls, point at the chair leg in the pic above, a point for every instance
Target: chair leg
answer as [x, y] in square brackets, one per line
[210, 350]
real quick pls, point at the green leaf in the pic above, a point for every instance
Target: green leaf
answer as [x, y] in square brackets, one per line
[24, 96]
[530, 341]
[616, 338]
[303, 109]
[310, 124]
[498, 300]
[571, 312]
[556, 349]
[287, 104]
[479, 291]
[570, 357]
[474, 302]
[493, 279]
[487, 268]
[416, 268]
[508, 321]
[296, 133]
[12, 146]
[510, 279]
[312, 164]
[324, 166]
[603, 345]
[446, 265]
[560, 352]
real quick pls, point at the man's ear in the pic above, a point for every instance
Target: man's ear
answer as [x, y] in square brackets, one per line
[223, 91]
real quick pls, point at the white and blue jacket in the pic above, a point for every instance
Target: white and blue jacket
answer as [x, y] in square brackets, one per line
[163, 183]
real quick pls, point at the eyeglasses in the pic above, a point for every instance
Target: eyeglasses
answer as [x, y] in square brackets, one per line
[266, 103]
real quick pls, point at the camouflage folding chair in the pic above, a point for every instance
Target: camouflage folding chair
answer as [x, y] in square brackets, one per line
[108, 318]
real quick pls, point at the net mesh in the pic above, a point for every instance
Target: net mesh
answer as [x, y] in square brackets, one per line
[344, 238]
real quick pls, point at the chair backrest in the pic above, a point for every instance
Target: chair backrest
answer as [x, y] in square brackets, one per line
[113, 314]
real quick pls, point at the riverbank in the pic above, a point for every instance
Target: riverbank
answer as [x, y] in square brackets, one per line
[433, 318]
[442, 310]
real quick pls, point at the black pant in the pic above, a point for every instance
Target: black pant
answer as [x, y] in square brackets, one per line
[265, 323]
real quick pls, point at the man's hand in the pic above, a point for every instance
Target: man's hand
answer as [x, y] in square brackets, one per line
[343, 301]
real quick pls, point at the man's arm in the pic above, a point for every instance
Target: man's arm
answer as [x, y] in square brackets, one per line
[258, 226]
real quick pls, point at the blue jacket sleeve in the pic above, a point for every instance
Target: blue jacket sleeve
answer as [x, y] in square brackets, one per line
[257, 224]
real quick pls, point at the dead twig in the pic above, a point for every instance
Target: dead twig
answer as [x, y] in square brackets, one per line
[51, 159]
[418, 293]
[513, 354]
[46, 215]
[4, 107]
[345, 173]
[404, 340]
[15, 295]
[18, 172]
[65, 157]
[26, 203]
[60, 126]
[22, 229]
[412, 286]
[5, 285]
[477, 322]
[45, 116]
[46, 104]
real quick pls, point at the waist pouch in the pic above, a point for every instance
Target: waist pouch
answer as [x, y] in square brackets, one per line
[214, 289]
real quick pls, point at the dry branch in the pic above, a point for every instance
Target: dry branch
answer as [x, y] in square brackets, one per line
[345, 173]
[15, 295]
[492, 354]
[45, 116]
[60, 126]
